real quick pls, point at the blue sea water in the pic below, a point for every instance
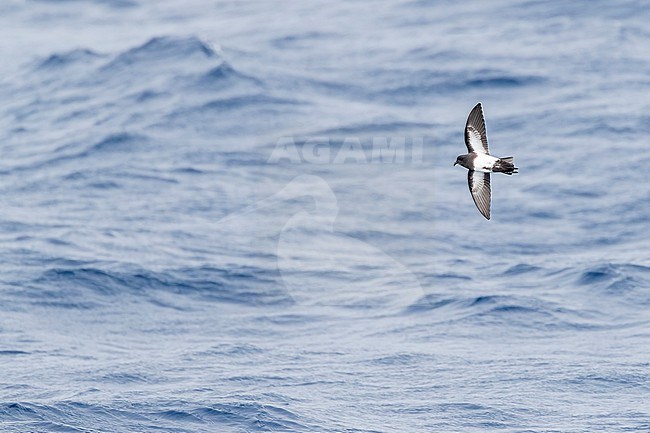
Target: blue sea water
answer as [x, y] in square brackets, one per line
[199, 232]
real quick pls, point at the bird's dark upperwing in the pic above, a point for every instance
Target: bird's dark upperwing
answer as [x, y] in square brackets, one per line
[475, 135]
[479, 186]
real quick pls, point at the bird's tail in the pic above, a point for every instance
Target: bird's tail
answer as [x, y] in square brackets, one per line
[505, 165]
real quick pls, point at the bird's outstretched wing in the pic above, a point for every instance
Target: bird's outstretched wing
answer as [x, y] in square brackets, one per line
[475, 136]
[479, 186]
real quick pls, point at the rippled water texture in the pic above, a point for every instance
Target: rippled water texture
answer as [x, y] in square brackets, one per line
[203, 230]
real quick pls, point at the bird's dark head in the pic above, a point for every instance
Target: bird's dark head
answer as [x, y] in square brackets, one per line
[461, 159]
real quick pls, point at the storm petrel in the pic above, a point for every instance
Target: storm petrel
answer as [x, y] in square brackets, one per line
[480, 163]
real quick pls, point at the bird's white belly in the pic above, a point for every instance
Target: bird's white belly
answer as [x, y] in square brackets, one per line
[484, 162]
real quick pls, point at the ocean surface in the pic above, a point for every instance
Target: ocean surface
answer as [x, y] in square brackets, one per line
[225, 216]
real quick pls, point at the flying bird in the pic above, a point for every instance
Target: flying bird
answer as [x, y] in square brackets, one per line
[479, 162]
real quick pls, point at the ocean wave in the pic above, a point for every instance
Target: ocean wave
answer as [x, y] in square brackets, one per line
[620, 286]
[79, 56]
[176, 65]
[174, 416]
[119, 96]
[401, 88]
[87, 288]
[163, 50]
[122, 141]
[521, 268]
[516, 311]
[624, 282]
[161, 66]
